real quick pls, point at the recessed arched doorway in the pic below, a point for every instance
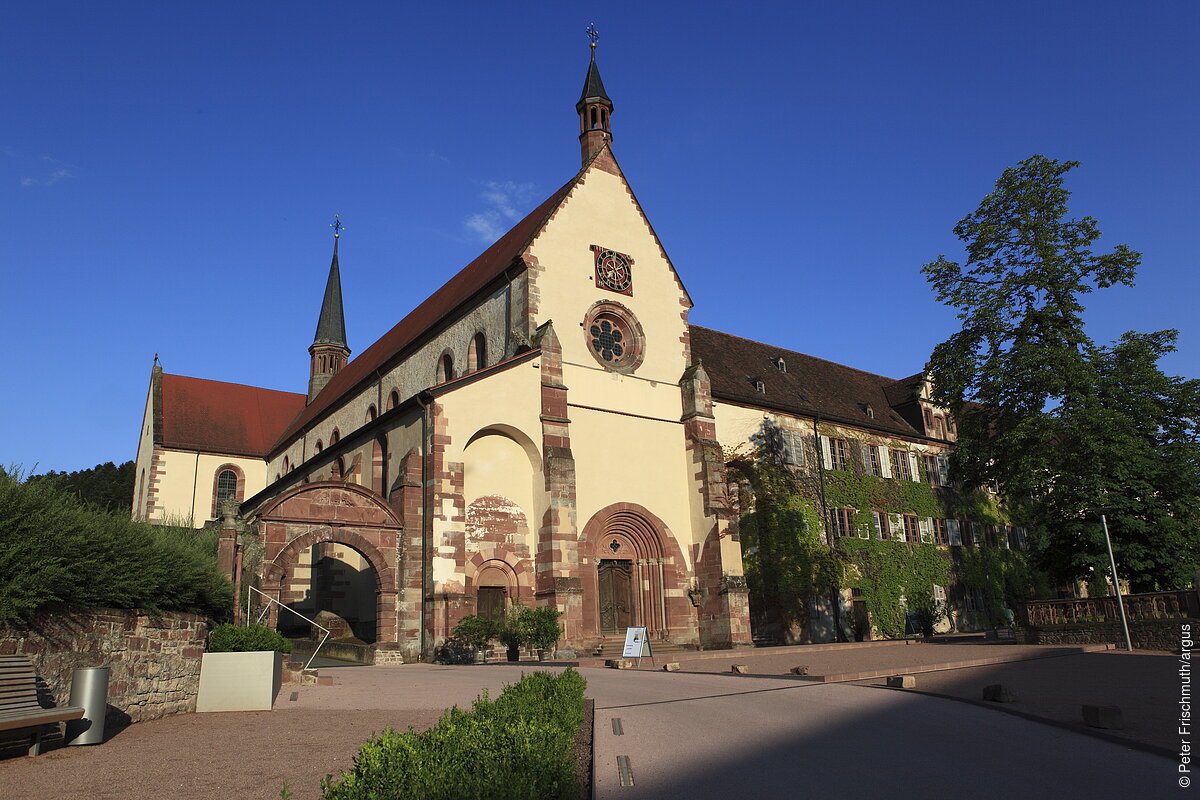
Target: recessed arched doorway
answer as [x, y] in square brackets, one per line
[634, 575]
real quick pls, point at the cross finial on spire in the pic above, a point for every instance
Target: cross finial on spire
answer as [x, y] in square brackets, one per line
[593, 34]
[337, 226]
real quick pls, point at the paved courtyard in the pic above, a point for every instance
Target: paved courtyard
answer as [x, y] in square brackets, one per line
[688, 735]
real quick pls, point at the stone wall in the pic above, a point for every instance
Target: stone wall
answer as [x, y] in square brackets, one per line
[154, 661]
[1146, 634]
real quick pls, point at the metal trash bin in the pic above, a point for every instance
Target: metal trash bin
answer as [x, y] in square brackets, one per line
[89, 690]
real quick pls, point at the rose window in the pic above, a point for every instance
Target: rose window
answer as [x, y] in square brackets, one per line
[614, 337]
[606, 340]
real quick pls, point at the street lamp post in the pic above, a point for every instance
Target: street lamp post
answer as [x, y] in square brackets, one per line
[1112, 562]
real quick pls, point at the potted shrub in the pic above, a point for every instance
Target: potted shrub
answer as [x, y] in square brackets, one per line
[512, 631]
[542, 630]
[241, 669]
[475, 633]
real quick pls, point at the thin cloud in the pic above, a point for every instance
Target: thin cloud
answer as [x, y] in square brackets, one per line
[58, 172]
[504, 203]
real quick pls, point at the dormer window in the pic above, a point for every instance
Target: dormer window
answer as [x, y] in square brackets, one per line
[869, 411]
[760, 387]
[781, 365]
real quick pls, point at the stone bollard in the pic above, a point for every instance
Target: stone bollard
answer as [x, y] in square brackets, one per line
[739, 669]
[619, 663]
[1103, 717]
[998, 693]
[902, 681]
[800, 670]
[671, 666]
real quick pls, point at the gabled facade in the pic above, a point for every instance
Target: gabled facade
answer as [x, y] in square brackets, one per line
[546, 428]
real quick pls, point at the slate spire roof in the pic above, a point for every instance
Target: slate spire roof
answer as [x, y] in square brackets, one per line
[593, 86]
[331, 325]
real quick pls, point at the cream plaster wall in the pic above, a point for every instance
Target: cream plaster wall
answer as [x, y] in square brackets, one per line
[620, 458]
[186, 483]
[145, 454]
[601, 211]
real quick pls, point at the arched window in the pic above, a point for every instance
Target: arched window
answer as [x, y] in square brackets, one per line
[334, 437]
[371, 412]
[379, 466]
[477, 352]
[229, 483]
[339, 469]
[286, 465]
[393, 400]
[445, 368]
[320, 446]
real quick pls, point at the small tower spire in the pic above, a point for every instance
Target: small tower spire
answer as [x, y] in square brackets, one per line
[594, 106]
[329, 350]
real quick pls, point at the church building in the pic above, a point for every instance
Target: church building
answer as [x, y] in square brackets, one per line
[547, 428]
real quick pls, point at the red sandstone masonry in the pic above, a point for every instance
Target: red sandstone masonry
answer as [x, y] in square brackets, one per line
[154, 661]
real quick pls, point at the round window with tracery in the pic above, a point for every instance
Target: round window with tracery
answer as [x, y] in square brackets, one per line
[614, 337]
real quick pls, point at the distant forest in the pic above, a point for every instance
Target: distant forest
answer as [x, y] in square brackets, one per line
[107, 486]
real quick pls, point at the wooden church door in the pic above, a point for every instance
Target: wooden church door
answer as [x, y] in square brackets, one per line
[616, 595]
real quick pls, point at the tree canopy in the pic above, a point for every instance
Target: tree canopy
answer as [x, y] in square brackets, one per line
[1069, 429]
[106, 486]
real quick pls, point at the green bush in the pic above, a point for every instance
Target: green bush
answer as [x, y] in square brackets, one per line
[454, 651]
[246, 639]
[516, 747]
[539, 627]
[475, 632]
[56, 551]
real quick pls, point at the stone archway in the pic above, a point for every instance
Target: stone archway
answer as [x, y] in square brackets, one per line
[336, 512]
[629, 537]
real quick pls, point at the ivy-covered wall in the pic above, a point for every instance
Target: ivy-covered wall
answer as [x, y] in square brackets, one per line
[781, 545]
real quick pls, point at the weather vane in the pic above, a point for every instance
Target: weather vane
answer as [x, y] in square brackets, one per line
[592, 33]
[337, 226]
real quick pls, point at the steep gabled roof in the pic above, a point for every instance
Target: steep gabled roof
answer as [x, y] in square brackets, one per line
[472, 279]
[218, 417]
[809, 386]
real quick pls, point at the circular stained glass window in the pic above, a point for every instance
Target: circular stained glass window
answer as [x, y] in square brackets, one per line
[614, 337]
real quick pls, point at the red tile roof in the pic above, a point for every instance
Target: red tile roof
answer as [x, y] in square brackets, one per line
[473, 278]
[218, 417]
[809, 386]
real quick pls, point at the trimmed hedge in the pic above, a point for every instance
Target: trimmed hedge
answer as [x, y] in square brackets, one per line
[246, 639]
[516, 747]
[56, 551]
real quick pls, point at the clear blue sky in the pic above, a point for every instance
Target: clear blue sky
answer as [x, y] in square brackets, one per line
[168, 171]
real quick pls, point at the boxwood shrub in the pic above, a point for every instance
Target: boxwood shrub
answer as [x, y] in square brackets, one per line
[246, 639]
[516, 747]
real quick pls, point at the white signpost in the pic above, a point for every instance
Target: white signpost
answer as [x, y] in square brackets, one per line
[637, 645]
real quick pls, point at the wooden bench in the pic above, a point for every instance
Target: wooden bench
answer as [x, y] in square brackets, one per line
[19, 706]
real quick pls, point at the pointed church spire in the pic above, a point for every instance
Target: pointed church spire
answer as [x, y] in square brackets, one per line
[594, 107]
[329, 350]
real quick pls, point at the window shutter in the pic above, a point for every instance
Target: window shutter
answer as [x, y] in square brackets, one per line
[885, 462]
[864, 528]
[825, 457]
[912, 464]
[927, 530]
[944, 469]
[952, 530]
[896, 521]
[877, 523]
[1003, 533]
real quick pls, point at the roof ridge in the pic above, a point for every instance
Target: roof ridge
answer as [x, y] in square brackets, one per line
[231, 383]
[798, 353]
